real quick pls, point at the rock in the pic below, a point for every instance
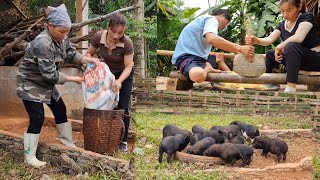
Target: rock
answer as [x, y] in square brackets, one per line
[267, 127]
[243, 67]
[143, 140]
[149, 146]
[138, 151]
[45, 177]
[306, 163]
[82, 176]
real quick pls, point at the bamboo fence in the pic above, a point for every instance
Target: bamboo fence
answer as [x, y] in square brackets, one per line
[147, 98]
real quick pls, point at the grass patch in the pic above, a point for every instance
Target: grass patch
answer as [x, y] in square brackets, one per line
[150, 127]
[316, 166]
[12, 168]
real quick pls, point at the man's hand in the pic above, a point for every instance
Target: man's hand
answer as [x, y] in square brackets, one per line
[248, 51]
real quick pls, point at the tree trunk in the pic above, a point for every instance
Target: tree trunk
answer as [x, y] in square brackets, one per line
[138, 41]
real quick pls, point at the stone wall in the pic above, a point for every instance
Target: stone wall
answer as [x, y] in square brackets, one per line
[12, 105]
[73, 160]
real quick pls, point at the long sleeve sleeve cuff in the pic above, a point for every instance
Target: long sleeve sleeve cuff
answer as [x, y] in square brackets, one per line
[77, 58]
[62, 78]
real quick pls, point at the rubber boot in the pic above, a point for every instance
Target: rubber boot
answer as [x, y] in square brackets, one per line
[30, 148]
[65, 134]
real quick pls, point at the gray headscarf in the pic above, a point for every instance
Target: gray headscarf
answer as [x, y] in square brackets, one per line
[58, 16]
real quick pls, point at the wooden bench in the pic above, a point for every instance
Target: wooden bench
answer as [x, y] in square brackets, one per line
[310, 73]
[311, 87]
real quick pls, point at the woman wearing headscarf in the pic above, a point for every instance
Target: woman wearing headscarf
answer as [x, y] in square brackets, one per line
[39, 72]
[116, 50]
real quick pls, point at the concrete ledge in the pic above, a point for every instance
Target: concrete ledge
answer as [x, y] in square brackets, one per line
[86, 161]
[10, 104]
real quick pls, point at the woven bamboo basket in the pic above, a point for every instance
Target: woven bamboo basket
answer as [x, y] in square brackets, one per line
[102, 130]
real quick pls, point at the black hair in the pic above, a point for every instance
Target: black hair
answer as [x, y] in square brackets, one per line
[295, 3]
[225, 13]
[117, 19]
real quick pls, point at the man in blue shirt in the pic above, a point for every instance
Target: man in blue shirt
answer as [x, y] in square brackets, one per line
[195, 43]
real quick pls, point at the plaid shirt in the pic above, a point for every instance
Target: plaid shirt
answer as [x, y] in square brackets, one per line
[38, 72]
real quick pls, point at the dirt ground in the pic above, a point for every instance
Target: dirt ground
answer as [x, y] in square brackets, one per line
[299, 148]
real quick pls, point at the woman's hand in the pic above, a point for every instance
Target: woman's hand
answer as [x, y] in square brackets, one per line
[96, 61]
[116, 86]
[278, 54]
[88, 54]
[251, 40]
[85, 60]
[76, 79]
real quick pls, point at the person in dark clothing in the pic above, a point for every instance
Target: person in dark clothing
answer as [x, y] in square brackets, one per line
[300, 47]
[116, 49]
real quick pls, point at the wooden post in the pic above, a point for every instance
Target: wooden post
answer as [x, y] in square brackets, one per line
[221, 98]
[190, 96]
[238, 96]
[205, 97]
[256, 98]
[82, 10]
[138, 41]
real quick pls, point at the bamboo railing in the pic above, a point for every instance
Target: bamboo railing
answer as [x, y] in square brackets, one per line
[146, 96]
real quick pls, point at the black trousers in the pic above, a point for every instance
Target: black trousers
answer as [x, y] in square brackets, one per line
[124, 98]
[294, 57]
[36, 114]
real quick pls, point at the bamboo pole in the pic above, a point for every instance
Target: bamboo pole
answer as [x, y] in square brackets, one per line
[170, 53]
[266, 78]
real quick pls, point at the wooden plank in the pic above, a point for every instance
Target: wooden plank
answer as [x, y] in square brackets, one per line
[310, 73]
[166, 83]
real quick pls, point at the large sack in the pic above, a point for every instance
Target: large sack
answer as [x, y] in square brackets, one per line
[97, 88]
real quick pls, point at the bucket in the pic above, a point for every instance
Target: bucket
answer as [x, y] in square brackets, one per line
[102, 130]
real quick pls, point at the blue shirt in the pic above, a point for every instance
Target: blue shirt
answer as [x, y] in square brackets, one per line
[192, 39]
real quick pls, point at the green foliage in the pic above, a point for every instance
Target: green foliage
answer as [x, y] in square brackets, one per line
[264, 16]
[104, 6]
[316, 166]
[171, 20]
[12, 168]
[149, 27]
[37, 7]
